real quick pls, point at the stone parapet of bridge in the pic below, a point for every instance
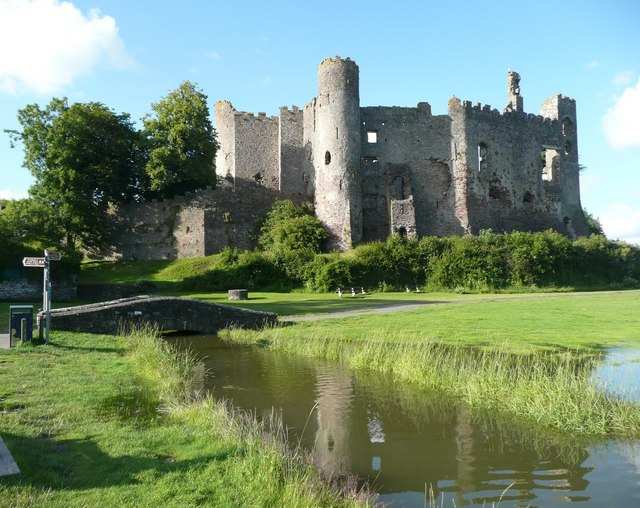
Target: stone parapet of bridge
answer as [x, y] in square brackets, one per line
[163, 312]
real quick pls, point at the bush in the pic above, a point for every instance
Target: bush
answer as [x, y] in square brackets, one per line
[538, 259]
[11, 268]
[485, 262]
[471, 262]
[289, 228]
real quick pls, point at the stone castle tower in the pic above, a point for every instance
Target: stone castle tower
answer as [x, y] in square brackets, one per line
[376, 170]
[336, 159]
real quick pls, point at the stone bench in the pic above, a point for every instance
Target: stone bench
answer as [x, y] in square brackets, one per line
[238, 294]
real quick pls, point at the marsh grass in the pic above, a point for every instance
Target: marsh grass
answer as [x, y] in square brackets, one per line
[552, 389]
[169, 375]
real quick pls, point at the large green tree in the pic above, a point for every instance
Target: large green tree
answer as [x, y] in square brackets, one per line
[85, 159]
[181, 142]
[30, 222]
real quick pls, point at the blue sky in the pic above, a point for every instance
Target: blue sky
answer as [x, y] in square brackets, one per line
[261, 55]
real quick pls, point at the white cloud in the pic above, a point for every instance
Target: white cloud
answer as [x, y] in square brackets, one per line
[46, 44]
[593, 64]
[12, 194]
[622, 222]
[624, 78]
[622, 122]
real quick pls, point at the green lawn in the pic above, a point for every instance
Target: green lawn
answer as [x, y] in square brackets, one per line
[555, 319]
[516, 320]
[565, 320]
[80, 418]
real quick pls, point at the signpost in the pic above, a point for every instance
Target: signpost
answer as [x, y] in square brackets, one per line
[49, 255]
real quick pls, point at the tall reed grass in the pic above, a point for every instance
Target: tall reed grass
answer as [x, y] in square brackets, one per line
[168, 376]
[552, 389]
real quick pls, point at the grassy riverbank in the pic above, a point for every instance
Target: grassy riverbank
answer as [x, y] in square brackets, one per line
[517, 371]
[551, 389]
[97, 420]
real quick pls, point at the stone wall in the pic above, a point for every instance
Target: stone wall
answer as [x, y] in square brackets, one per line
[308, 135]
[27, 290]
[375, 170]
[419, 142]
[257, 156]
[293, 177]
[250, 145]
[225, 129]
[504, 158]
[196, 224]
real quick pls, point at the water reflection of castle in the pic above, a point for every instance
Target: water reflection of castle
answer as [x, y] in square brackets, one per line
[404, 440]
[440, 446]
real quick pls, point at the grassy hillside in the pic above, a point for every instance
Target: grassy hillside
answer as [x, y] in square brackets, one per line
[130, 272]
[486, 263]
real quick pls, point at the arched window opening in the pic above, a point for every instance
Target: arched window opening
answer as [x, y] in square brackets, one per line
[550, 168]
[327, 157]
[402, 231]
[567, 127]
[568, 147]
[528, 197]
[483, 151]
[399, 191]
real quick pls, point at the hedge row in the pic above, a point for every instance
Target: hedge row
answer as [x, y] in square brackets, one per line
[485, 262]
[11, 263]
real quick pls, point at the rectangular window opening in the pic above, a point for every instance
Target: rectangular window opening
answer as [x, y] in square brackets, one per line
[372, 136]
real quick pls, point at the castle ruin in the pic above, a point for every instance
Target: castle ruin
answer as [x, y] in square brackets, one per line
[376, 170]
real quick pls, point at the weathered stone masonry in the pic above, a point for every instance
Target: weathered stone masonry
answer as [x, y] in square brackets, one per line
[373, 171]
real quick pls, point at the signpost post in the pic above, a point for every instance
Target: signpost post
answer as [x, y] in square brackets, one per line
[44, 262]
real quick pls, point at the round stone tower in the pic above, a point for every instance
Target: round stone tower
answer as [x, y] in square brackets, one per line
[336, 149]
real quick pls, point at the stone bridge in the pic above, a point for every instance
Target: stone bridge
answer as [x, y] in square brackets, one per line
[166, 313]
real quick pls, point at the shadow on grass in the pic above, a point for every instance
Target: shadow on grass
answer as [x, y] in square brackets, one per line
[321, 306]
[133, 405]
[88, 349]
[79, 464]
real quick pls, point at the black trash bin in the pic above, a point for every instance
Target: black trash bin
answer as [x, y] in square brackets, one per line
[16, 314]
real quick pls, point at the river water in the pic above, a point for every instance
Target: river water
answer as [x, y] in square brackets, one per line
[403, 441]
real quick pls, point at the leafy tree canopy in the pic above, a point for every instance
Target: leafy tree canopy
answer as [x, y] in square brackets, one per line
[84, 158]
[181, 142]
[593, 224]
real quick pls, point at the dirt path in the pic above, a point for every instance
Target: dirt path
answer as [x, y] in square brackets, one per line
[414, 305]
[381, 309]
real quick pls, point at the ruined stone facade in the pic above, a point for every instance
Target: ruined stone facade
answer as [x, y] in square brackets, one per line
[195, 224]
[376, 170]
